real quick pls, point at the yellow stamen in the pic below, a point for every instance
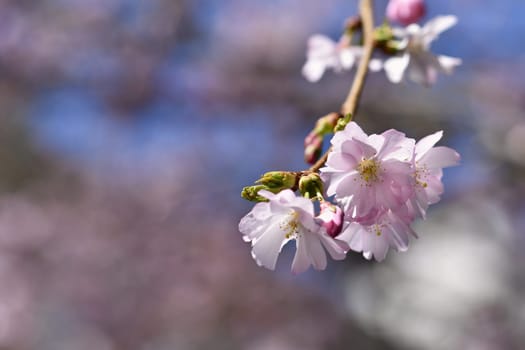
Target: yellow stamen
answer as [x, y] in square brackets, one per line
[291, 226]
[368, 169]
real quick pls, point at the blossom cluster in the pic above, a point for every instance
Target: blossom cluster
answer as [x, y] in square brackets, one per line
[412, 57]
[365, 193]
[379, 184]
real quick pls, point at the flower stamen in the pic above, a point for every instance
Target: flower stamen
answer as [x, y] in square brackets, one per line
[291, 225]
[368, 170]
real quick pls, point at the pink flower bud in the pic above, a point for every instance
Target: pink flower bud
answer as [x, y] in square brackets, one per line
[405, 11]
[313, 146]
[331, 218]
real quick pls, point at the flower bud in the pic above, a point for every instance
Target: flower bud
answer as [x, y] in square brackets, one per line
[250, 193]
[325, 125]
[276, 181]
[331, 218]
[313, 146]
[405, 11]
[343, 122]
[311, 185]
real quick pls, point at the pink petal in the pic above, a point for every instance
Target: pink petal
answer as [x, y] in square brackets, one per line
[426, 143]
[335, 247]
[342, 161]
[352, 131]
[353, 236]
[433, 190]
[366, 150]
[380, 248]
[349, 186]
[398, 236]
[392, 139]
[440, 157]
[365, 200]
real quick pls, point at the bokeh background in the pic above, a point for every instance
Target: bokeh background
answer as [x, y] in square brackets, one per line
[128, 128]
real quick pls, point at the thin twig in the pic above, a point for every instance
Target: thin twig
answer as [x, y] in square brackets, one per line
[352, 100]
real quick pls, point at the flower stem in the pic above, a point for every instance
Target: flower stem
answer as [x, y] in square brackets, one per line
[354, 95]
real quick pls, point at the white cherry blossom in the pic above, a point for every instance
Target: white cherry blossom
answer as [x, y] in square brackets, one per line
[416, 61]
[286, 217]
[323, 53]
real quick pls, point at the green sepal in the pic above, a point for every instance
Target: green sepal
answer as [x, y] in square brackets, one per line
[343, 122]
[325, 125]
[251, 193]
[278, 180]
[311, 186]
[383, 33]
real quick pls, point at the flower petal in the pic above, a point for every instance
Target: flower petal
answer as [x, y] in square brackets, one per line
[301, 260]
[313, 70]
[395, 67]
[440, 157]
[315, 251]
[436, 26]
[447, 63]
[380, 248]
[266, 249]
[348, 57]
[426, 143]
[320, 46]
[335, 247]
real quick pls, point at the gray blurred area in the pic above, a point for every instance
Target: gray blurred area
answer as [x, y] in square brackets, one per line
[128, 128]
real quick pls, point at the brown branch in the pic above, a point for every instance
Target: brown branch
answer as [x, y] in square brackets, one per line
[352, 100]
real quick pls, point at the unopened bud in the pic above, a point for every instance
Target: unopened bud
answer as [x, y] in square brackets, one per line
[405, 11]
[277, 181]
[325, 125]
[311, 185]
[313, 146]
[343, 122]
[331, 218]
[251, 193]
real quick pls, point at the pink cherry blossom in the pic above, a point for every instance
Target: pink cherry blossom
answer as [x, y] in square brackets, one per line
[270, 225]
[389, 229]
[405, 11]
[369, 174]
[429, 162]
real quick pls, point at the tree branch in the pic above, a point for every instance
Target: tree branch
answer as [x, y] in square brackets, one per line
[352, 100]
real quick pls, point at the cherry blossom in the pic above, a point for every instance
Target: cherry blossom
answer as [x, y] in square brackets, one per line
[428, 163]
[270, 225]
[416, 60]
[389, 229]
[323, 53]
[369, 174]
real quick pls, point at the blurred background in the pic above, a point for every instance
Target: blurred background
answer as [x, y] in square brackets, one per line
[128, 128]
